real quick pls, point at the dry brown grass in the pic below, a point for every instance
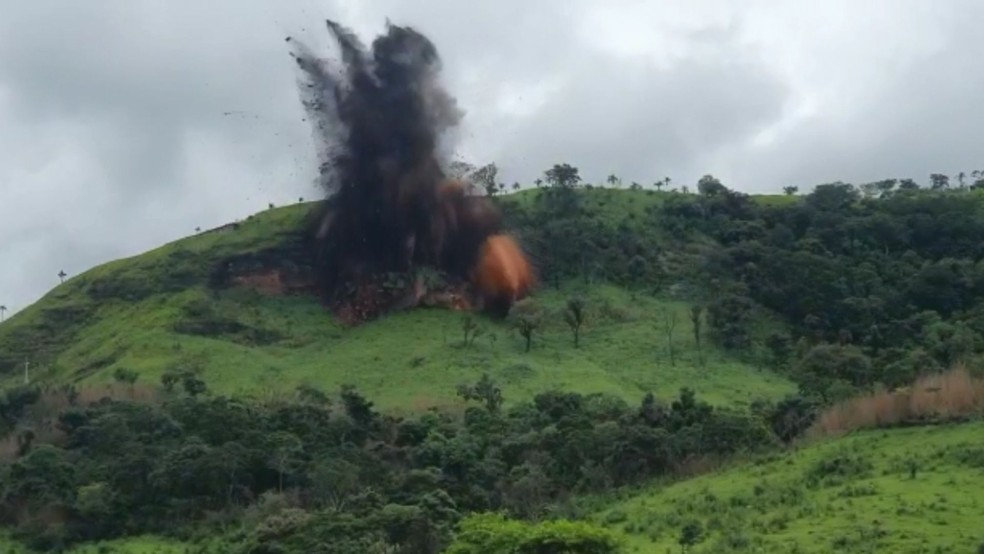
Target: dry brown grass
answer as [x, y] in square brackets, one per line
[948, 396]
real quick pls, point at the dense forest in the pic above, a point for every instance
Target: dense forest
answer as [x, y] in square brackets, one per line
[876, 284]
[307, 474]
[868, 287]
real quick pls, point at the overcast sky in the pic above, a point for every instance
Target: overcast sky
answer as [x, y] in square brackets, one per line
[125, 124]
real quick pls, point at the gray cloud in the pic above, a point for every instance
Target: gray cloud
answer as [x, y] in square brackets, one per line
[643, 121]
[117, 137]
[926, 121]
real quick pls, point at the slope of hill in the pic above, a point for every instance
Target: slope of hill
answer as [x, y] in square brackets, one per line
[919, 489]
[157, 312]
[135, 545]
[844, 291]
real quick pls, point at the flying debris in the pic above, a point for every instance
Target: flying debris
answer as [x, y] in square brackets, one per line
[391, 210]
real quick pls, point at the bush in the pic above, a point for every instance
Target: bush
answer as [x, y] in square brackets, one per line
[494, 534]
[837, 468]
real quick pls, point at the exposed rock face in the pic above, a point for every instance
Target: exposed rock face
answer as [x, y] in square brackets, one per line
[279, 272]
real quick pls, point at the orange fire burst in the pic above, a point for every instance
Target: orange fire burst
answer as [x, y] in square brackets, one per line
[503, 274]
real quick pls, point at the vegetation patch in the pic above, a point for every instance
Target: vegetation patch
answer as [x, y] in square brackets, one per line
[904, 490]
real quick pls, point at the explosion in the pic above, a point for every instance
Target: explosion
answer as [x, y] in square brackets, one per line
[390, 208]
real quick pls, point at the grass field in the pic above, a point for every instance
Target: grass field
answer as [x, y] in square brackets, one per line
[415, 359]
[914, 490]
[123, 315]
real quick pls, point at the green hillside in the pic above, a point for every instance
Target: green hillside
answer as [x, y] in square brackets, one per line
[721, 328]
[911, 490]
[136, 545]
[135, 315]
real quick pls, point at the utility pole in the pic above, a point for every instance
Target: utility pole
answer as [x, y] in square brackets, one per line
[27, 367]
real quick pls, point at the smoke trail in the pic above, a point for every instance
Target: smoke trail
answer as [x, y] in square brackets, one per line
[378, 115]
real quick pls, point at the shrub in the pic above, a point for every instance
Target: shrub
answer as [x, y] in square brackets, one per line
[492, 533]
[837, 468]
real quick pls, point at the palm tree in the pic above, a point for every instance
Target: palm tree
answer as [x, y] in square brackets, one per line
[3, 310]
[62, 275]
[612, 179]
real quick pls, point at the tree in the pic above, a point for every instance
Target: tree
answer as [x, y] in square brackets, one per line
[357, 407]
[833, 197]
[691, 535]
[470, 329]
[563, 176]
[460, 170]
[939, 181]
[638, 268]
[780, 348]
[516, 186]
[526, 316]
[3, 312]
[825, 364]
[308, 394]
[695, 320]
[538, 182]
[961, 179]
[658, 185]
[285, 448]
[790, 190]
[485, 391]
[908, 184]
[62, 275]
[729, 316]
[790, 417]
[485, 177]
[708, 185]
[869, 190]
[885, 187]
[574, 316]
[668, 324]
[192, 384]
[613, 180]
[334, 481]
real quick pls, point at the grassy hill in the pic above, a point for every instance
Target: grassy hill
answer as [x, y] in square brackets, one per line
[852, 295]
[142, 314]
[919, 489]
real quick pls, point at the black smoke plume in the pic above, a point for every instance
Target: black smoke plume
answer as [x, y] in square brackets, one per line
[378, 115]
